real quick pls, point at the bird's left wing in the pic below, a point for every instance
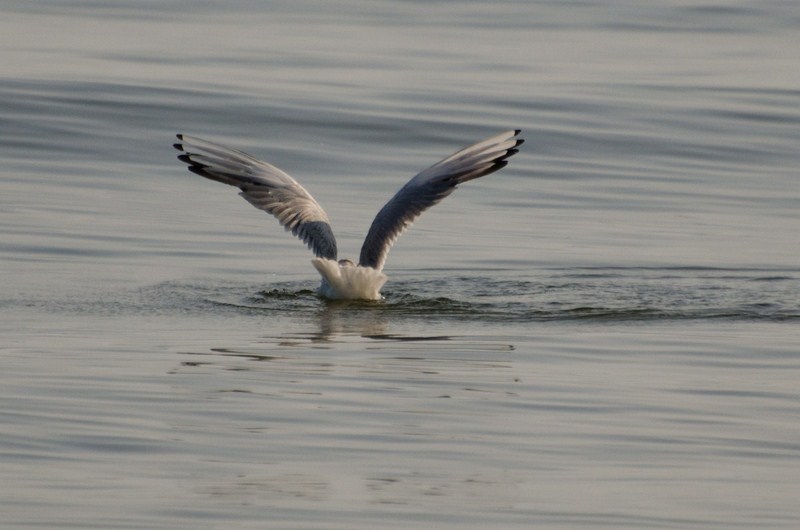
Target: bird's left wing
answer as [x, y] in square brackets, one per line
[264, 186]
[431, 186]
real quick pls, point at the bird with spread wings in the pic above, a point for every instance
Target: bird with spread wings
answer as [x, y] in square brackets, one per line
[270, 189]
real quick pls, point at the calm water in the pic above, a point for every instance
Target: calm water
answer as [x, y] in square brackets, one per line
[603, 335]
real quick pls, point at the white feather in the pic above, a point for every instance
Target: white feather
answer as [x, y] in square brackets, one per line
[348, 282]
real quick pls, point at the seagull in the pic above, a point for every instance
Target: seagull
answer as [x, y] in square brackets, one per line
[270, 189]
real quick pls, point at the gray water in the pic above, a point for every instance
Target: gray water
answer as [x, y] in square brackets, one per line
[602, 335]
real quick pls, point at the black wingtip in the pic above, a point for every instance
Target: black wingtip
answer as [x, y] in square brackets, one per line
[186, 159]
[517, 131]
[200, 170]
[179, 147]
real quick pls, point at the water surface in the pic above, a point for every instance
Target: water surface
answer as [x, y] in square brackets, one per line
[602, 335]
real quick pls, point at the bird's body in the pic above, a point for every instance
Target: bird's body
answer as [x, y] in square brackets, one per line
[268, 188]
[344, 279]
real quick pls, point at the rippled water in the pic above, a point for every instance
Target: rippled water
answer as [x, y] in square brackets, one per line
[602, 335]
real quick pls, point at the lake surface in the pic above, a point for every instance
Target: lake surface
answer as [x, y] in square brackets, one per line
[602, 335]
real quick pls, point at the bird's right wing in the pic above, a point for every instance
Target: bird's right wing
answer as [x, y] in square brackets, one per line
[264, 186]
[431, 186]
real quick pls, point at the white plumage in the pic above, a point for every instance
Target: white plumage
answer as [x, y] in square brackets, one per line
[268, 188]
[345, 280]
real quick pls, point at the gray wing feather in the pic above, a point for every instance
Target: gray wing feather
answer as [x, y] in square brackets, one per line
[431, 186]
[264, 186]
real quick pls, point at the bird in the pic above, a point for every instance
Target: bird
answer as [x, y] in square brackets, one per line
[271, 189]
